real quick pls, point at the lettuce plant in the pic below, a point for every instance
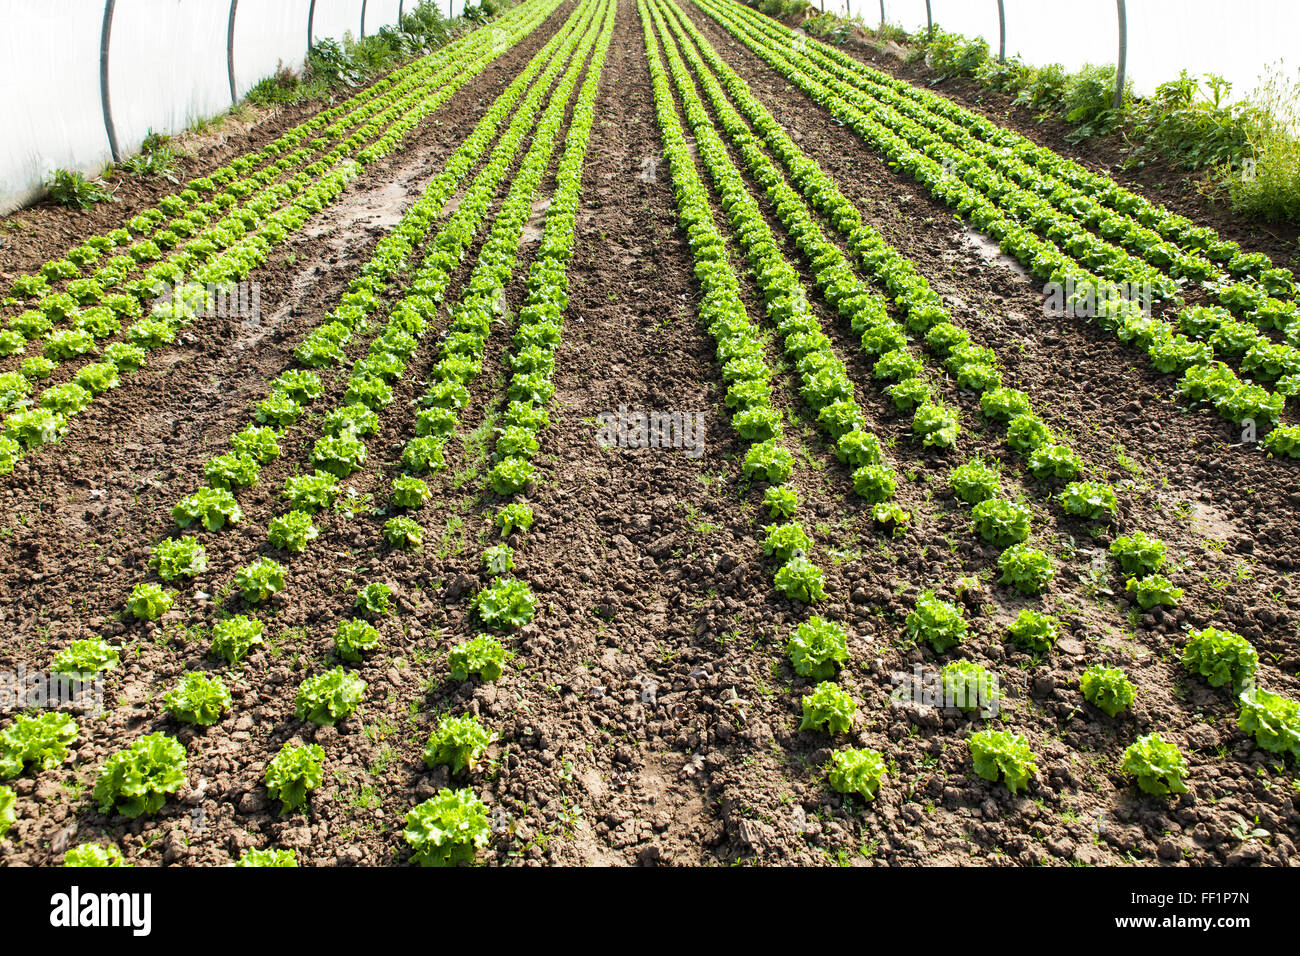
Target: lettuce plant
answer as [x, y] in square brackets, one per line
[41, 740]
[311, 493]
[438, 423]
[68, 343]
[292, 531]
[499, 559]
[340, 455]
[373, 598]
[97, 378]
[859, 771]
[506, 604]
[137, 780]
[447, 829]
[801, 580]
[975, 481]
[1001, 753]
[458, 742]
[198, 699]
[1034, 631]
[235, 636]
[424, 454]
[351, 420]
[482, 656]
[1054, 461]
[969, 686]
[1273, 719]
[910, 393]
[828, 708]
[1004, 404]
[329, 697]
[293, 773]
[403, 532]
[94, 854]
[66, 399]
[1221, 657]
[277, 409]
[939, 623]
[1284, 439]
[511, 476]
[818, 648]
[858, 449]
[1108, 689]
[150, 333]
[757, 424]
[1152, 590]
[783, 541]
[1026, 569]
[214, 508]
[300, 385]
[35, 427]
[176, 558]
[354, 636]
[7, 815]
[409, 492]
[1159, 767]
[936, 424]
[1027, 431]
[1090, 500]
[259, 580]
[14, 388]
[87, 657]
[257, 443]
[256, 857]
[1138, 554]
[1000, 522]
[891, 516]
[875, 483]
[768, 461]
[148, 601]
[372, 392]
[515, 515]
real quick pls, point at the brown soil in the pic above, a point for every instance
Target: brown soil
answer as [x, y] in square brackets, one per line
[649, 714]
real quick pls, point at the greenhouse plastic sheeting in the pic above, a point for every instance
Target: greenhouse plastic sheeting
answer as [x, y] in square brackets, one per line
[336, 18]
[268, 34]
[1235, 40]
[167, 66]
[50, 116]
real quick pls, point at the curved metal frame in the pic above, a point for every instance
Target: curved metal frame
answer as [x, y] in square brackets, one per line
[1002, 32]
[1123, 54]
[105, 40]
[230, 52]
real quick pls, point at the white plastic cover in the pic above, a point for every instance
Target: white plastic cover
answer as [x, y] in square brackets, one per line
[50, 115]
[380, 13]
[167, 67]
[336, 18]
[268, 33]
[1236, 40]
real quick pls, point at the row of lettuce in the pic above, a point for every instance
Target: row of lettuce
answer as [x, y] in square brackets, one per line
[450, 826]
[1094, 240]
[168, 273]
[818, 648]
